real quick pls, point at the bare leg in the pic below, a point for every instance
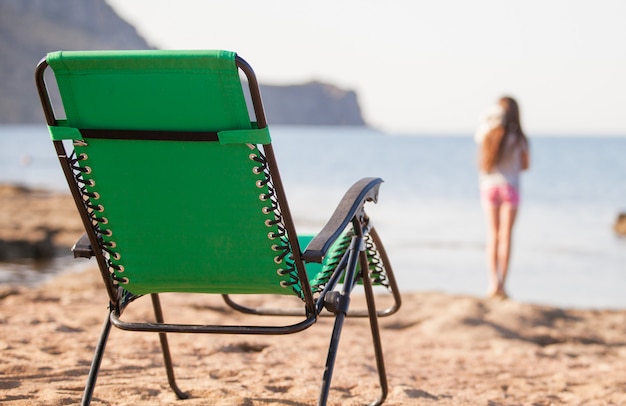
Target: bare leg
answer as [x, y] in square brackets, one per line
[507, 219]
[492, 214]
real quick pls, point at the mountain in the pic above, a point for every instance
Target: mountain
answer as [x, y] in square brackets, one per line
[313, 103]
[31, 28]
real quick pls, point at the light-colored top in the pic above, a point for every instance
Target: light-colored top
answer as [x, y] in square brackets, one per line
[508, 169]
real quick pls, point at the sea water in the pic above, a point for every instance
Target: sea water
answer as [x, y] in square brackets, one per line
[565, 251]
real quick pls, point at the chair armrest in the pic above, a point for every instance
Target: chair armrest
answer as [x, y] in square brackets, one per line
[82, 248]
[365, 190]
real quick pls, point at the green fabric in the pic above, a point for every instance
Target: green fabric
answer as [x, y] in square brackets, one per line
[313, 269]
[59, 133]
[376, 271]
[151, 90]
[253, 136]
[319, 273]
[185, 216]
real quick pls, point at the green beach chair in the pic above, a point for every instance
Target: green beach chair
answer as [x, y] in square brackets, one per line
[179, 191]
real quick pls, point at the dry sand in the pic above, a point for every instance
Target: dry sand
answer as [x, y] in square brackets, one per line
[439, 349]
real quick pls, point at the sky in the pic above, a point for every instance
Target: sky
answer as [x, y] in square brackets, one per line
[422, 67]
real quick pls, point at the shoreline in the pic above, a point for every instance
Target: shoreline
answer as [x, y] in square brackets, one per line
[448, 349]
[43, 223]
[26, 273]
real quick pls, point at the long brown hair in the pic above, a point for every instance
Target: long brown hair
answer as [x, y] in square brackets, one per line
[493, 146]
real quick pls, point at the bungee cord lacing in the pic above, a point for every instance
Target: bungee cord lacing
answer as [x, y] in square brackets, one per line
[278, 231]
[94, 211]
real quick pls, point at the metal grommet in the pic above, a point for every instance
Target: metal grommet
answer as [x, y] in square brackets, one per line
[108, 233]
[271, 235]
[284, 284]
[266, 210]
[116, 256]
[257, 170]
[252, 156]
[83, 156]
[104, 220]
[87, 170]
[112, 244]
[96, 195]
[263, 197]
[125, 281]
[99, 208]
[121, 269]
[278, 260]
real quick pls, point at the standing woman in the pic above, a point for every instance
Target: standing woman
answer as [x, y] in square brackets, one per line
[504, 153]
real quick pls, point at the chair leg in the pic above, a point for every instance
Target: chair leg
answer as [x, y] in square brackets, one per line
[97, 360]
[341, 304]
[378, 349]
[167, 357]
[330, 359]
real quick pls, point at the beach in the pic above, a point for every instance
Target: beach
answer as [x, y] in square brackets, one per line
[443, 349]
[439, 349]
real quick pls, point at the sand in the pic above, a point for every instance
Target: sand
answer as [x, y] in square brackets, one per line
[439, 349]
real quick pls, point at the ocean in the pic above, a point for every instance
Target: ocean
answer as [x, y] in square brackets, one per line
[565, 252]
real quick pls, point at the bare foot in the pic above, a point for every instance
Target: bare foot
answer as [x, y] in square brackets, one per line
[497, 293]
[501, 294]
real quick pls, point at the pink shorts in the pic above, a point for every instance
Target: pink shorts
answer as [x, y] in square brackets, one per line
[500, 194]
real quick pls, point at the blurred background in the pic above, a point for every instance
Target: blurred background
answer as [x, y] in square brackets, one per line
[394, 89]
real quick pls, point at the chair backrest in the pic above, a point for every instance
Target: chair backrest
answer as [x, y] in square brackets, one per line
[174, 172]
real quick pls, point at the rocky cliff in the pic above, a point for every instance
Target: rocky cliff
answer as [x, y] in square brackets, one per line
[313, 103]
[30, 28]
